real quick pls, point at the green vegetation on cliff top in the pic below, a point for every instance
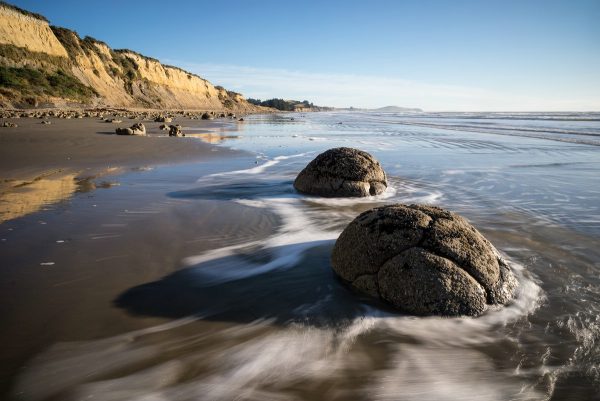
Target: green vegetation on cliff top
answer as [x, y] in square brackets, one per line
[24, 12]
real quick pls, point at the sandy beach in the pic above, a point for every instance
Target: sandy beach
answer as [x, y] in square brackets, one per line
[89, 146]
[42, 164]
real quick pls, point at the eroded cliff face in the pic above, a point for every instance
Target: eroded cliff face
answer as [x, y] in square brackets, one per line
[101, 76]
[26, 31]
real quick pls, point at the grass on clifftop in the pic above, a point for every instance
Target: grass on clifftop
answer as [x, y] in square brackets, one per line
[24, 12]
[30, 82]
[69, 39]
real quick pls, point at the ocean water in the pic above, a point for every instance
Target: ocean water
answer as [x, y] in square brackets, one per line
[248, 308]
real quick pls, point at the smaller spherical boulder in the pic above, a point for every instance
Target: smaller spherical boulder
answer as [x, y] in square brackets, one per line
[175, 130]
[123, 131]
[422, 260]
[136, 129]
[342, 172]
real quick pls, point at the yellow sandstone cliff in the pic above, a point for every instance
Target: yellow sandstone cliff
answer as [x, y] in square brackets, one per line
[45, 65]
[27, 31]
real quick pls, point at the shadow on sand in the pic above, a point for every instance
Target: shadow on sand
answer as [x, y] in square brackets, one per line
[243, 189]
[303, 291]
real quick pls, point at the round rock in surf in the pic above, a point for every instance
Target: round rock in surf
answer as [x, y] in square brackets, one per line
[136, 129]
[175, 130]
[422, 260]
[342, 172]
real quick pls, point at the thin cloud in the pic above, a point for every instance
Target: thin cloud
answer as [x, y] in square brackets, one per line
[344, 90]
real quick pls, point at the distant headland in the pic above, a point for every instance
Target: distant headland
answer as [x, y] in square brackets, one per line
[386, 109]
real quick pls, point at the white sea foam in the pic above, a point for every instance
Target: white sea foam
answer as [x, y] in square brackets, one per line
[284, 248]
[298, 232]
[258, 169]
[444, 351]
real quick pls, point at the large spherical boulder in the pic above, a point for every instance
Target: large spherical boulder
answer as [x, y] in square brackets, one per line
[342, 172]
[422, 260]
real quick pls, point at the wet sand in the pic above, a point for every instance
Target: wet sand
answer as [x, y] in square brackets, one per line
[42, 164]
[89, 145]
[62, 275]
[84, 217]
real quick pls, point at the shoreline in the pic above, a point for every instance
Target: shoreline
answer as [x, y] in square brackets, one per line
[44, 164]
[34, 112]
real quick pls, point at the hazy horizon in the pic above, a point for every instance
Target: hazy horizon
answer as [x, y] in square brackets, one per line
[438, 56]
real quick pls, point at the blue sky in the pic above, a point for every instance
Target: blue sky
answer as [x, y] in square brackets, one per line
[437, 55]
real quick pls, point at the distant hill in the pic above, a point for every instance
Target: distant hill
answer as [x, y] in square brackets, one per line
[288, 105]
[43, 65]
[396, 109]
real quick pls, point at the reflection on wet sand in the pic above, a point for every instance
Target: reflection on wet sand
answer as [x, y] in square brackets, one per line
[22, 197]
[212, 137]
[19, 198]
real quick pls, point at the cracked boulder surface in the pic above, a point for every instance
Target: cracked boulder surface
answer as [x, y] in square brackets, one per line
[423, 260]
[342, 172]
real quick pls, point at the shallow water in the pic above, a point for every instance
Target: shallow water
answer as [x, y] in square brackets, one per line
[212, 281]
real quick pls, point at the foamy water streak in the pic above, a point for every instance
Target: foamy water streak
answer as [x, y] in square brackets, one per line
[269, 362]
[258, 169]
[441, 341]
[295, 236]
